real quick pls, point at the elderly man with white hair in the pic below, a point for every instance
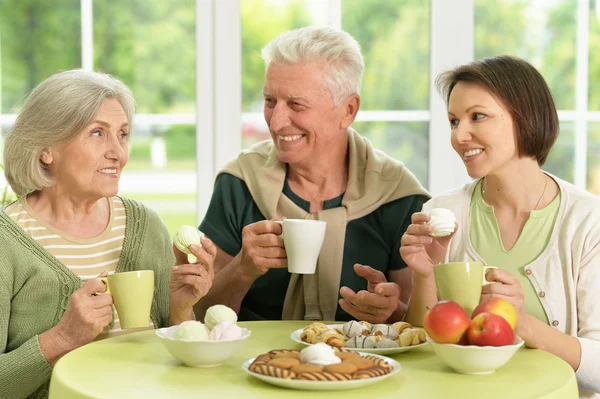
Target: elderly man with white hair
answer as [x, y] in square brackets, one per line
[315, 167]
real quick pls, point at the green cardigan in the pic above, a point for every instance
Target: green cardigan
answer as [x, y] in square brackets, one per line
[35, 288]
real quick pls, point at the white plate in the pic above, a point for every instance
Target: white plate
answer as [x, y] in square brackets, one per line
[295, 336]
[324, 385]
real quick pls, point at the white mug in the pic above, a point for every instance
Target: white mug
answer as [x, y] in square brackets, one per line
[303, 240]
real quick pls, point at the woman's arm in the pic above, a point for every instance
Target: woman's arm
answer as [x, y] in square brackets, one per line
[24, 369]
[539, 335]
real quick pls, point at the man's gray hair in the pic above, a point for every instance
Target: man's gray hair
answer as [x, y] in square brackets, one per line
[55, 112]
[321, 44]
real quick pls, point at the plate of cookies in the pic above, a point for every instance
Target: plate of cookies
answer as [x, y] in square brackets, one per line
[320, 367]
[381, 339]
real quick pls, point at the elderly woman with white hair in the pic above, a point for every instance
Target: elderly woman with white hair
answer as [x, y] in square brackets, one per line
[64, 157]
[315, 167]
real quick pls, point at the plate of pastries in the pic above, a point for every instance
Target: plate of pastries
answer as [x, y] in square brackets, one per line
[382, 339]
[320, 367]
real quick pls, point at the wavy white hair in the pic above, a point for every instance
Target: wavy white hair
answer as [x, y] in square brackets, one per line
[321, 44]
[55, 112]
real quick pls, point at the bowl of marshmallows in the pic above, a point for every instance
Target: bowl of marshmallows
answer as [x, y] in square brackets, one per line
[206, 344]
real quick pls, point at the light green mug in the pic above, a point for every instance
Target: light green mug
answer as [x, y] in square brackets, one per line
[461, 282]
[132, 294]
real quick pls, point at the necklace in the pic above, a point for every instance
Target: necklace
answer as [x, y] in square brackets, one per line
[539, 200]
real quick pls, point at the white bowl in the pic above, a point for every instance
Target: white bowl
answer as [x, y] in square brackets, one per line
[475, 360]
[204, 353]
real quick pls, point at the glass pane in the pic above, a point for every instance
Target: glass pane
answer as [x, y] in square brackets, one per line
[395, 44]
[35, 42]
[594, 58]
[405, 141]
[263, 20]
[593, 166]
[561, 162]
[161, 171]
[150, 45]
[541, 32]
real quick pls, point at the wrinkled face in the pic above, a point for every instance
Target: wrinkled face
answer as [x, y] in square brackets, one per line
[301, 114]
[90, 165]
[483, 132]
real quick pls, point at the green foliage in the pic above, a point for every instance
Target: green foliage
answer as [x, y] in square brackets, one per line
[261, 22]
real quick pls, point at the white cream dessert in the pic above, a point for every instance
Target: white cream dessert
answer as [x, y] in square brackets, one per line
[218, 313]
[443, 220]
[192, 331]
[185, 237]
[320, 353]
[226, 330]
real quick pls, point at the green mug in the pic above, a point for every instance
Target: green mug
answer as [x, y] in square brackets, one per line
[461, 282]
[132, 294]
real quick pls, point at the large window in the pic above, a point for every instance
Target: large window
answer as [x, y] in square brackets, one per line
[196, 71]
[558, 38]
[151, 47]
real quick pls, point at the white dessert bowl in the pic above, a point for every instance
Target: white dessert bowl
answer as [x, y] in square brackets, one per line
[200, 353]
[475, 360]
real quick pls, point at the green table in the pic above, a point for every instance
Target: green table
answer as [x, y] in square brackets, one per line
[138, 365]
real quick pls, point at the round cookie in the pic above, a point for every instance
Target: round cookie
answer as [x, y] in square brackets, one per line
[370, 373]
[307, 368]
[348, 355]
[343, 367]
[324, 376]
[361, 363]
[284, 362]
[293, 355]
[272, 371]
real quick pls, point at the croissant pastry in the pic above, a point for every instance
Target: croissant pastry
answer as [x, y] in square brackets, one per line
[411, 336]
[400, 326]
[331, 338]
[311, 332]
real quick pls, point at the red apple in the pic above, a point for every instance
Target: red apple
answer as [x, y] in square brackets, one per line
[488, 329]
[500, 307]
[446, 322]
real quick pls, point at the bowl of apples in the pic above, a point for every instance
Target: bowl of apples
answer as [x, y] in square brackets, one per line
[475, 346]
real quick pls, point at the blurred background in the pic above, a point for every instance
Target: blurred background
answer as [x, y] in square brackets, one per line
[156, 48]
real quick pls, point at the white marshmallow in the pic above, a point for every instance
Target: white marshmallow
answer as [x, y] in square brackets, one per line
[443, 220]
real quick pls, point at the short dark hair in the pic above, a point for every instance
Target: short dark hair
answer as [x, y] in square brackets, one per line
[522, 90]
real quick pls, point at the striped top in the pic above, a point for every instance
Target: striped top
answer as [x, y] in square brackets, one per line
[85, 257]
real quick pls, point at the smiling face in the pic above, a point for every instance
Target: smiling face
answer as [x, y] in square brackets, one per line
[90, 165]
[302, 117]
[483, 132]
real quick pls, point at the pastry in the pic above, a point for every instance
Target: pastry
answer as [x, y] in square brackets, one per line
[400, 326]
[410, 337]
[354, 328]
[384, 330]
[313, 330]
[332, 338]
[386, 343]
[361, 341]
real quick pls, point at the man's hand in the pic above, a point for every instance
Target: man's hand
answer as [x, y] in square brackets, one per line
[378, 303]
[262, 248]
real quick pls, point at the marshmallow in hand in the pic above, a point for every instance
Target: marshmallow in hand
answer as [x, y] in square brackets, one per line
[443, 220]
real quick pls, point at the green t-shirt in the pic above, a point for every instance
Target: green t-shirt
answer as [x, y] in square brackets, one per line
[484, 234]
[372, 240]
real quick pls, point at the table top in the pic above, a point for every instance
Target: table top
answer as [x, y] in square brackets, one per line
[138, 365]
